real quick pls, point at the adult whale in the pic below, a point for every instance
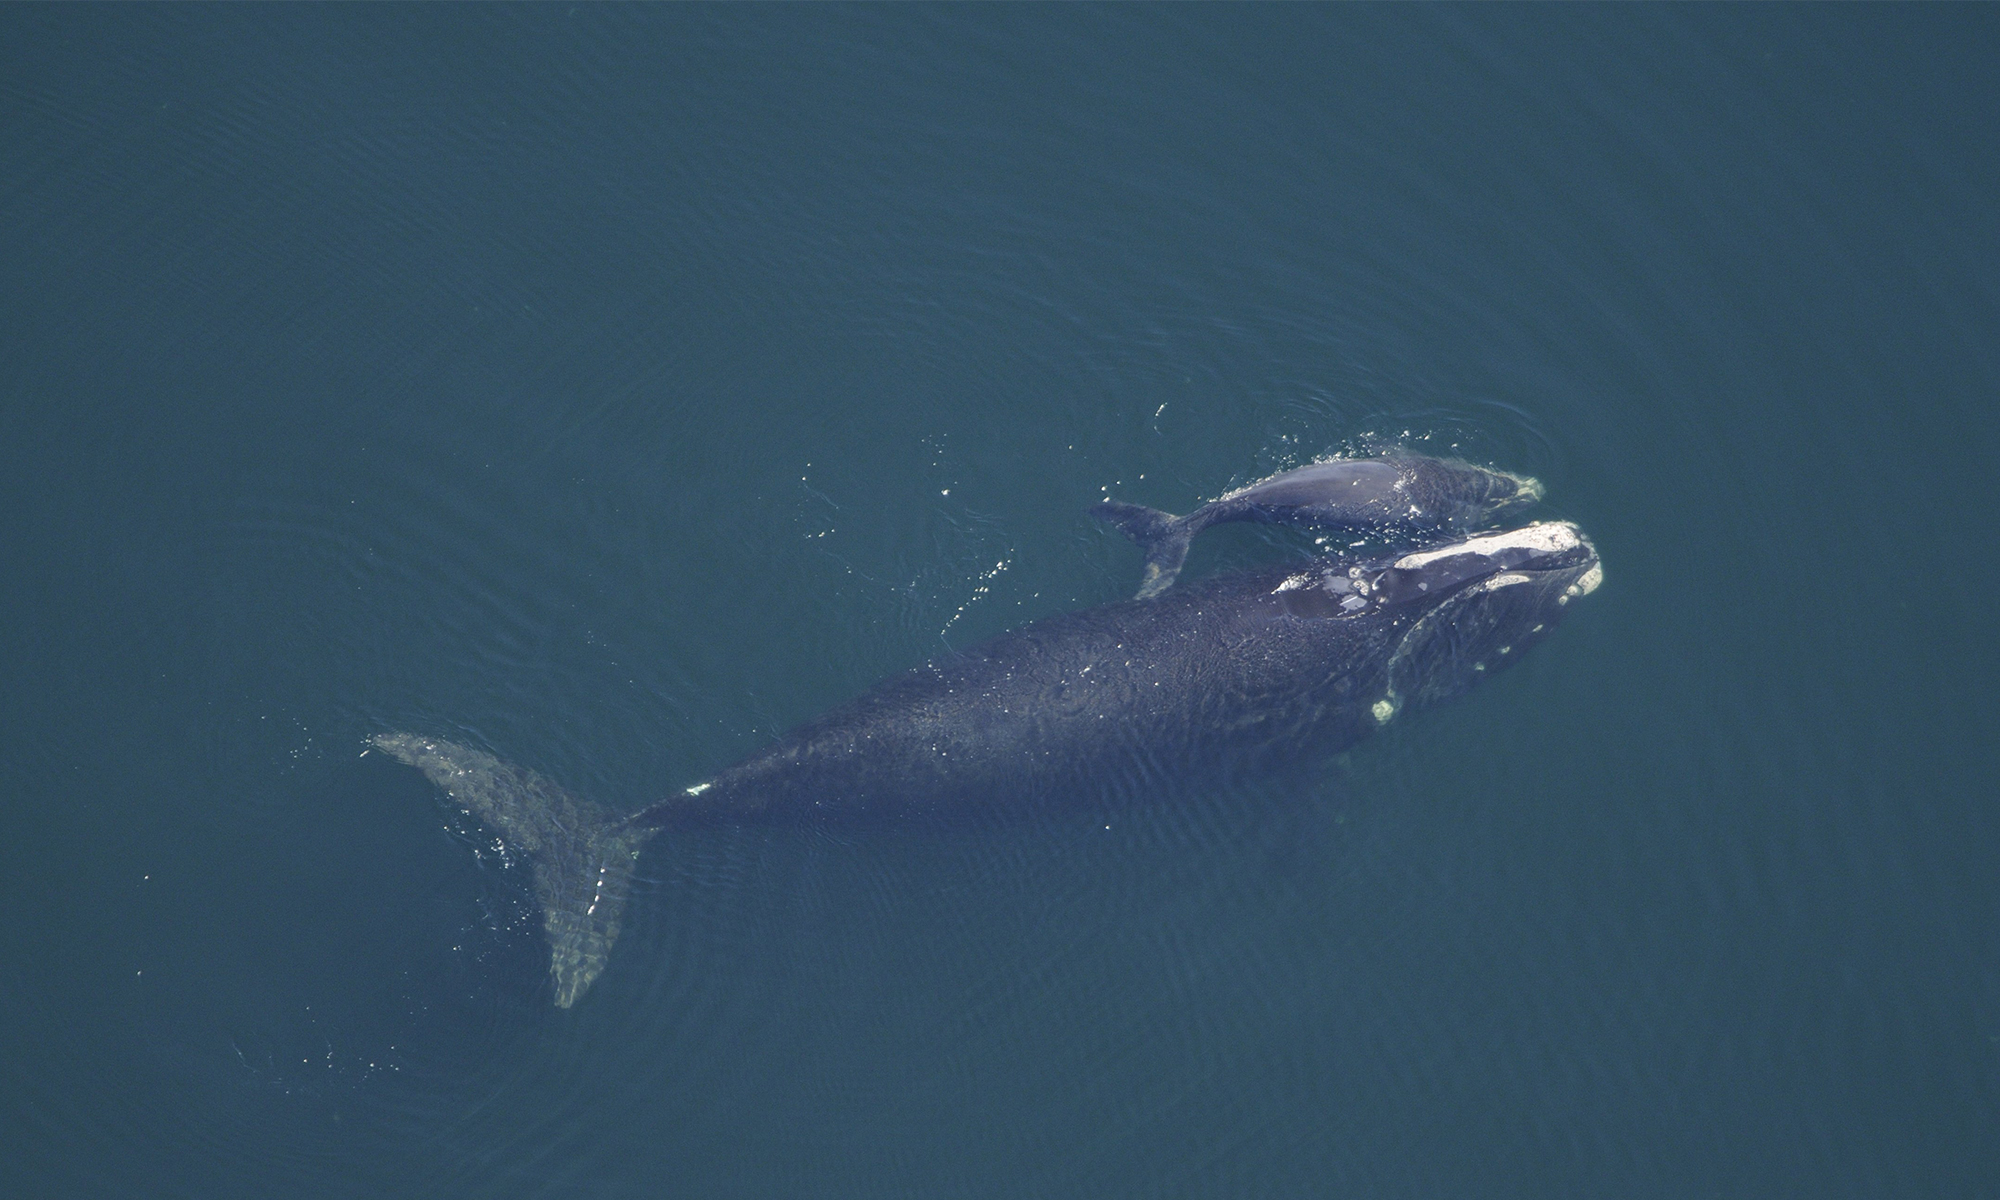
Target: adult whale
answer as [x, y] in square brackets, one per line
[1402, 495]
[1234, 673]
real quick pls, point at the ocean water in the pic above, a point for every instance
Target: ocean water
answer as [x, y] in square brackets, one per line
[615, 387]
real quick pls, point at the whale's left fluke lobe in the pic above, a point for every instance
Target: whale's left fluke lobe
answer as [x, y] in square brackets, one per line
[580, 855]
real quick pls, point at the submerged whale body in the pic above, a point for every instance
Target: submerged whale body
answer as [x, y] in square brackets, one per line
[1403, 495]
[1241, 672]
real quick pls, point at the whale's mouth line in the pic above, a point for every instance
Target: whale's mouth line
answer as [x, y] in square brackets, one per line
[1552, 564]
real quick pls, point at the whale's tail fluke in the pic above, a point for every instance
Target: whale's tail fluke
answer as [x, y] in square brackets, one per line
[580, 855]
[1163, 536]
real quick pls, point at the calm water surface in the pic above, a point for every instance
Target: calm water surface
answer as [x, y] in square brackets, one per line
[614, 388]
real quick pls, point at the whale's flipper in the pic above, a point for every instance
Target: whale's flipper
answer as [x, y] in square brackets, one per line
[1163, 536]
[580, 855]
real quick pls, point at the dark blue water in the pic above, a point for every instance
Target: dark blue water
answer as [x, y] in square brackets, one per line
[613, 388]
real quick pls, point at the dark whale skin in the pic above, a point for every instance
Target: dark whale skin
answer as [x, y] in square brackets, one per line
[1404, 496]
[1219, 676]
[1237, 674]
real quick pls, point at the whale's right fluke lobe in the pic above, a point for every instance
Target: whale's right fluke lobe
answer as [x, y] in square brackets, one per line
[580, 855]
[1163, 536]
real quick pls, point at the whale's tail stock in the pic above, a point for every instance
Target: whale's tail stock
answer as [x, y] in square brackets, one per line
[580, 855]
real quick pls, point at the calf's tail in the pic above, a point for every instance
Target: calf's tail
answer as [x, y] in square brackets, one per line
[1164, 537]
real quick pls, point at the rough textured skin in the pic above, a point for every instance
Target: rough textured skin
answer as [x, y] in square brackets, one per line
[1212, 677]
[1234, 674]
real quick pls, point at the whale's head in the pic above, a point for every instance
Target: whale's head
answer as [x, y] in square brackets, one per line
[1473, 606]
[1454, 613]
[1461, 495]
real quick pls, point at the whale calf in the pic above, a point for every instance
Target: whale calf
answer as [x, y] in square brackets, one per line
[1401, 494]
[1238, 673]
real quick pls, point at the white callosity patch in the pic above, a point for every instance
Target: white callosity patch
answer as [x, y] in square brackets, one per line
[1383, 709]
[1585, 584]
[1330, 581]
[1553, 538]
